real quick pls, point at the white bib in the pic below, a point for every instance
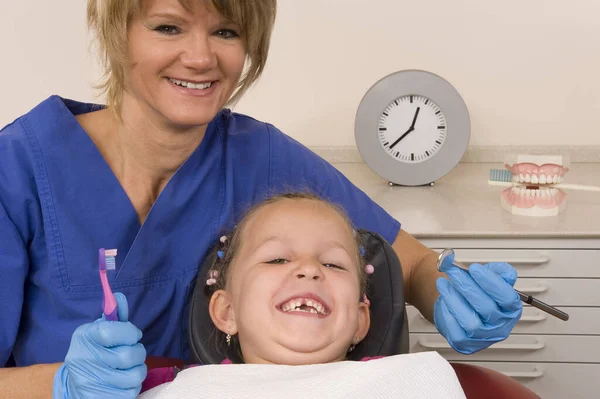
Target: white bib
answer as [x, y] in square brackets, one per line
[424, 375]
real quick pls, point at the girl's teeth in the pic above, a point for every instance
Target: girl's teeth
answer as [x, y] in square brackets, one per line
[311, 306]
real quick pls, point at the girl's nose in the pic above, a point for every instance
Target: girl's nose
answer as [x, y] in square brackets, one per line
[310, 269]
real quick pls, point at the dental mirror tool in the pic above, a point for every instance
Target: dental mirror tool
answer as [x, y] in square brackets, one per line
[447, 257]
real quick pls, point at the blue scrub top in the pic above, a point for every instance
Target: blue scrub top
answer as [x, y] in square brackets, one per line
[60, 202]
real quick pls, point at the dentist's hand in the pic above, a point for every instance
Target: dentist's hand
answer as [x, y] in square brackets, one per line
[477, 308]
[105, 360]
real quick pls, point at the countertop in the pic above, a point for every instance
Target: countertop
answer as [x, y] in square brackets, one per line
[463, 204]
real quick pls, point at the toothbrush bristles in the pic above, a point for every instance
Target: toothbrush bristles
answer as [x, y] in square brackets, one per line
[500, 175]
[110, 259]
[110, 252]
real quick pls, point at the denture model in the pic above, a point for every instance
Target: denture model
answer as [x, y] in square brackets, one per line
[532, 192]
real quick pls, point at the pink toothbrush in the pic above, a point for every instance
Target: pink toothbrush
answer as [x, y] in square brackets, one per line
[107, 261]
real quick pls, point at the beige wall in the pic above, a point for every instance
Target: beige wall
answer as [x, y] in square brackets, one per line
[43, 50]
[529, 71]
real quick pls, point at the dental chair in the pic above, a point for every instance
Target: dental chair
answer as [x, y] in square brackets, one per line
[387, 336]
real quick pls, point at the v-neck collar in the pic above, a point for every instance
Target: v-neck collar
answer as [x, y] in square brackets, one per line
[86, 193]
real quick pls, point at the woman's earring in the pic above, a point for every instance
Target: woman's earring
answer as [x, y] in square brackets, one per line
[228, 339]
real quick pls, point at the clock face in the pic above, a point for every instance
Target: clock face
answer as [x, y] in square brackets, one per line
[412, 129]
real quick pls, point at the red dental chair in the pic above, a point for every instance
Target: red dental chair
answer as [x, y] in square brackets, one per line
[388, 334]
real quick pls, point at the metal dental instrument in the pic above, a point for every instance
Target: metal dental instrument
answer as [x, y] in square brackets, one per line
[447, 255]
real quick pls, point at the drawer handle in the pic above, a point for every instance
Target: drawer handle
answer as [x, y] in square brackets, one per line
[502, 346]
[533, 290]
[516, 261]
[539, 316]
[524, 374]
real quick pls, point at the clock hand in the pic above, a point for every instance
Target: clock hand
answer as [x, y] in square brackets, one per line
[415, 118]
[410, 129]
[401, 137]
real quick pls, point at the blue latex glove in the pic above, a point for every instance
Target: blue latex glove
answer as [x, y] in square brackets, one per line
[477, 308]
[105, 360]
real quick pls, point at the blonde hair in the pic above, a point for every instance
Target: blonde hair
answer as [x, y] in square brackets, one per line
[110, 20]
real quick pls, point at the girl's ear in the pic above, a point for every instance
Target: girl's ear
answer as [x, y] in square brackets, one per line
[221, 312]
[364, 321]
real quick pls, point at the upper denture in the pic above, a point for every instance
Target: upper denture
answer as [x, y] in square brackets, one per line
[527, 172]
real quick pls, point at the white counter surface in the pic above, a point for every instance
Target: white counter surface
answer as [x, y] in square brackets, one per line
[462, 204]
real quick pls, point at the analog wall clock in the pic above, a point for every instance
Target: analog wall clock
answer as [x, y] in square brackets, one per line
[412, 127]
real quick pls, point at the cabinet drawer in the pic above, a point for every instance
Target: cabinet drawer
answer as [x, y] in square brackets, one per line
[552, 380]
[583, 321]
[521, 348]
[537, 262]
[562, 292]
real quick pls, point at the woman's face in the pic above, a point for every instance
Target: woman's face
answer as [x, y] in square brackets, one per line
[184, 64]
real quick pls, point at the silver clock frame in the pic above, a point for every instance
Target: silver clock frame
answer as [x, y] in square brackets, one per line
[412, 82]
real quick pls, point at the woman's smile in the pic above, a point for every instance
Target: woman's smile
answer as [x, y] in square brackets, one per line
[198, 89]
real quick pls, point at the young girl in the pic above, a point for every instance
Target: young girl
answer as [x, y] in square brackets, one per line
[287, 287]
[293, 267]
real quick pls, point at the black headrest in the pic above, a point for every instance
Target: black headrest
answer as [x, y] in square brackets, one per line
[388, 334]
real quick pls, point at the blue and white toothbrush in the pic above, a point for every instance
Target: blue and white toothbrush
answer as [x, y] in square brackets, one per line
[501, 177]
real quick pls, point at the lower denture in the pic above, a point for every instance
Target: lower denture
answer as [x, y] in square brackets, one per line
[529, 198]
